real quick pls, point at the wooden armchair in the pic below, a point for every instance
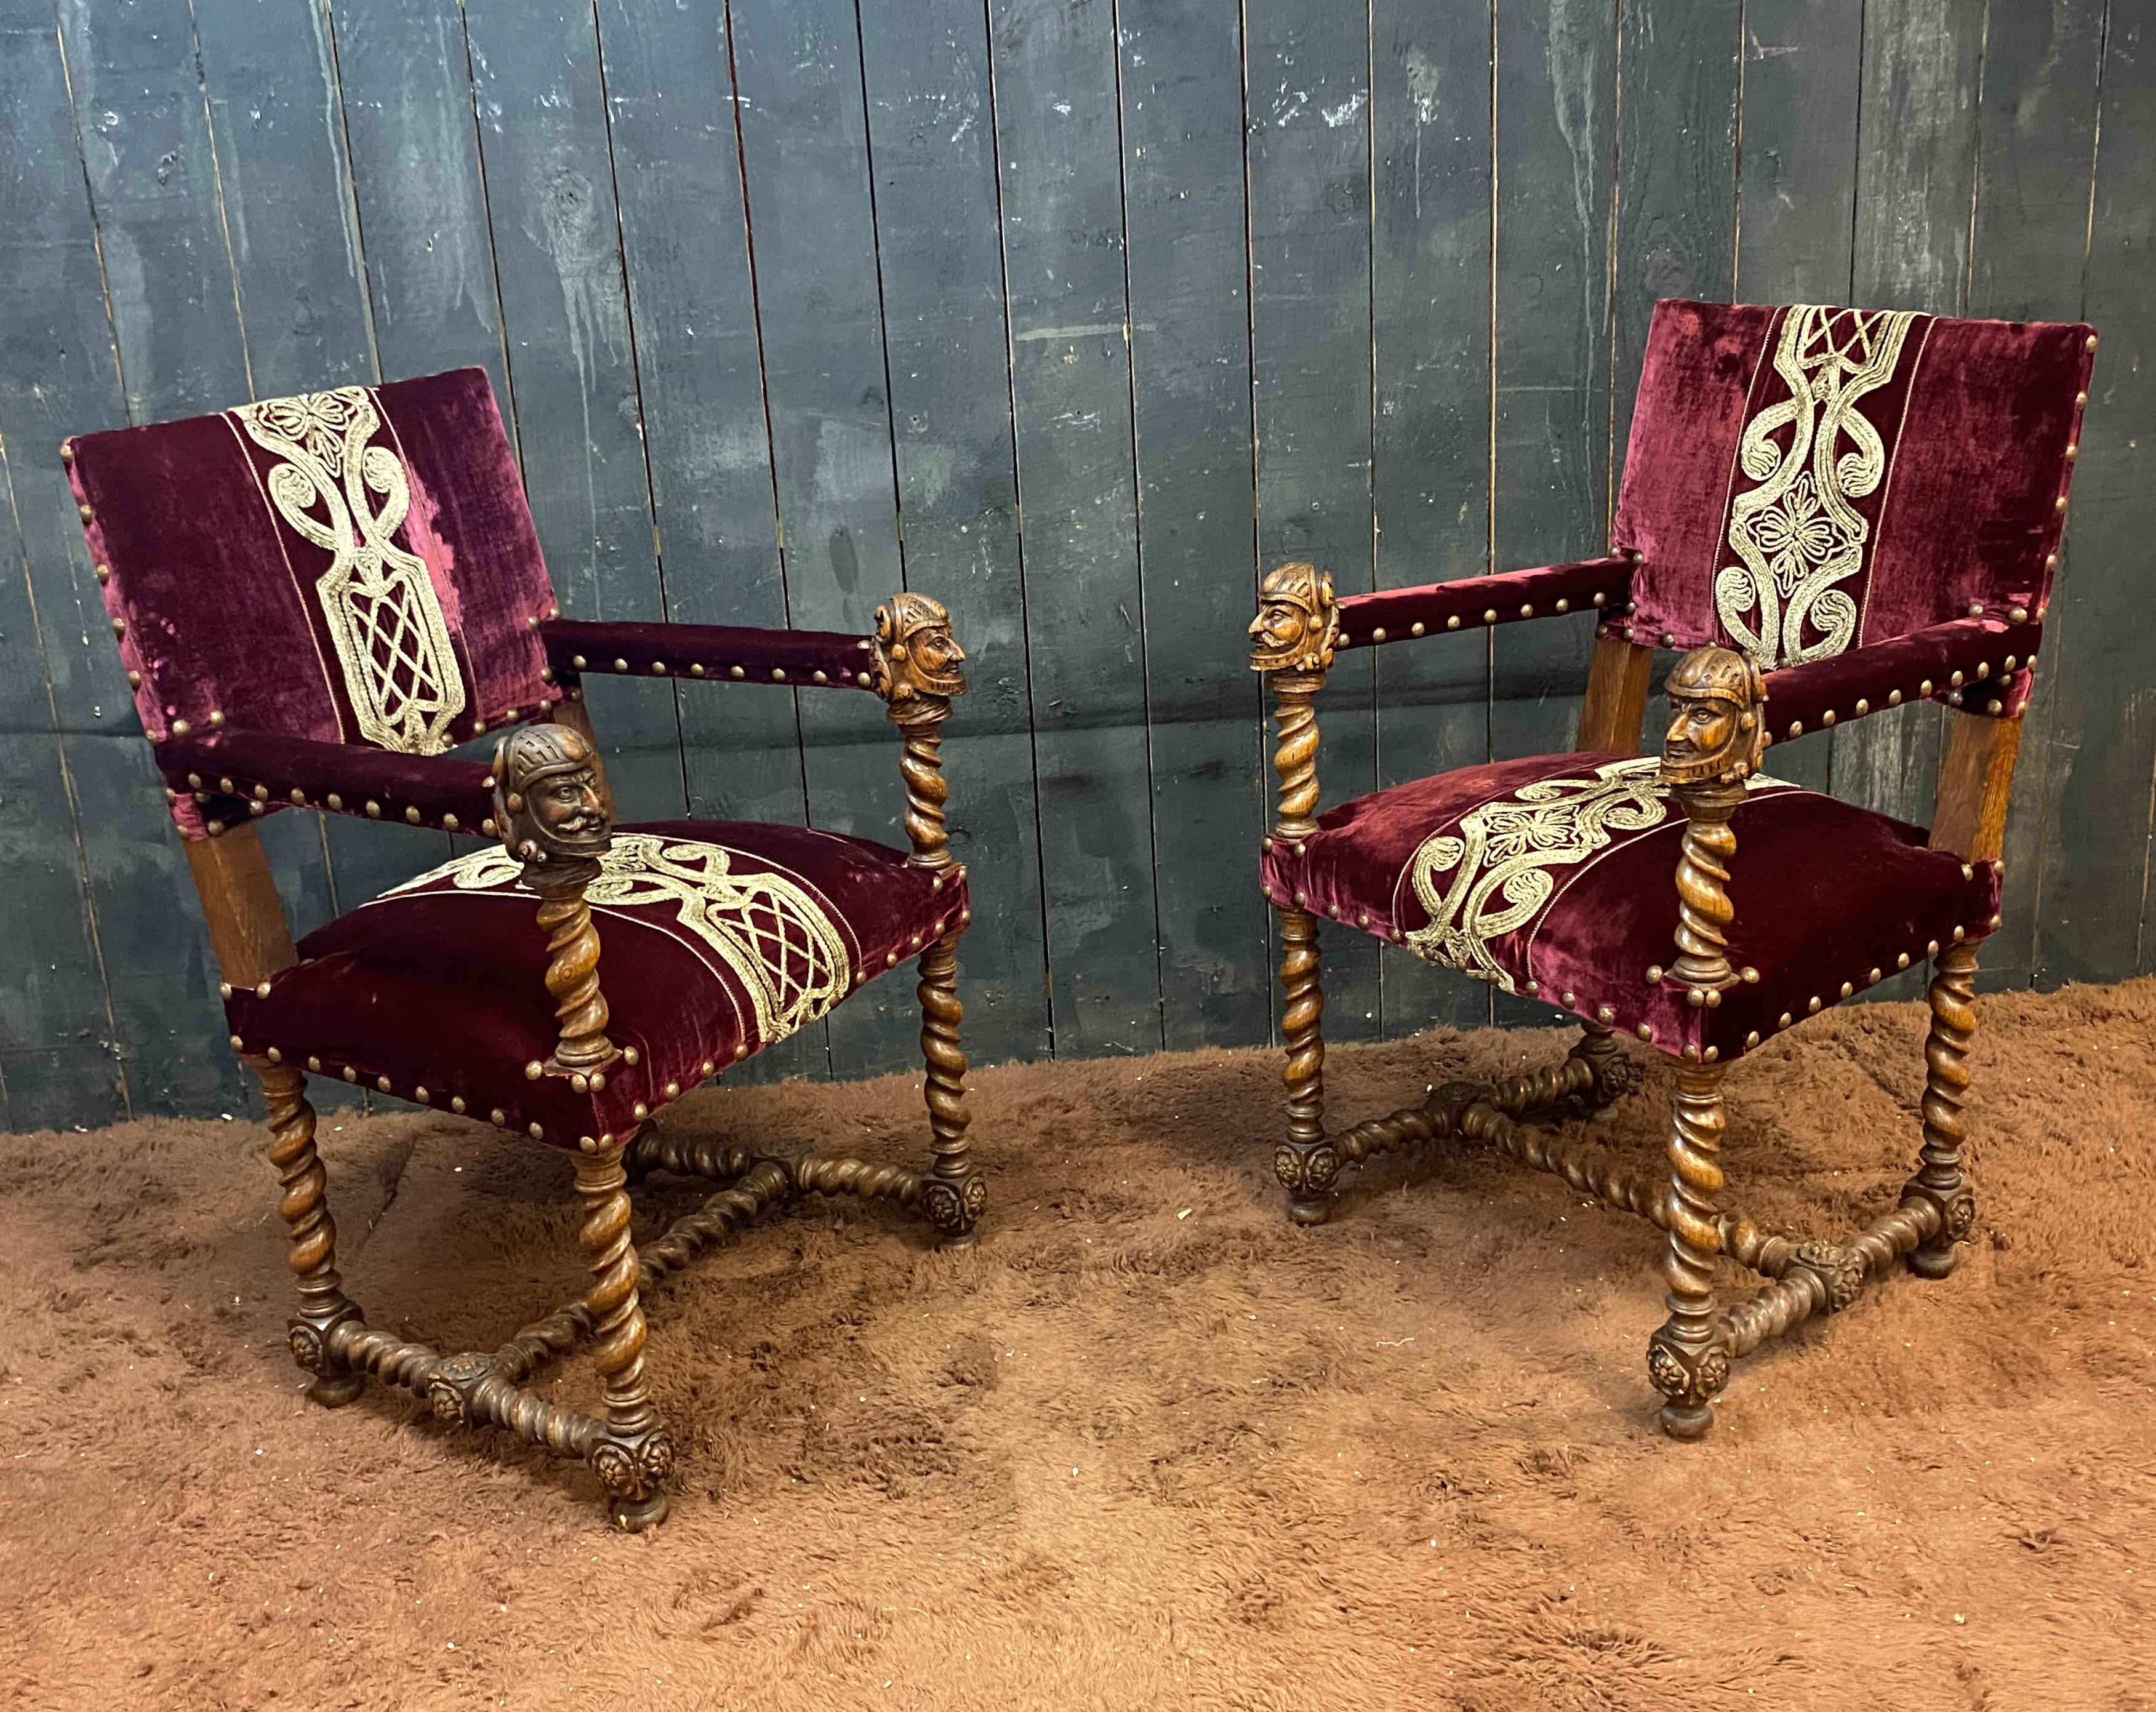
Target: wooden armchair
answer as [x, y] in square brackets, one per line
[316, 596]
[1837, 511]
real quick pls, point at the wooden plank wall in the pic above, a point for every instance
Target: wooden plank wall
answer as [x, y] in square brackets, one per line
[1077, 315]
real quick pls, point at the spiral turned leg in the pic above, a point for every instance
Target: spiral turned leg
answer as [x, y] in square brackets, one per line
[1938, 1180]
[323, 1304]
[635, 1456]
[1688, 1358]
[956, 1192]
[1306, 1164]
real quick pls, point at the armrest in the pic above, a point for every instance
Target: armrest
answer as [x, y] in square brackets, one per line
[1395, 614]
[577, 647]
[1980, 665]
[265, 769]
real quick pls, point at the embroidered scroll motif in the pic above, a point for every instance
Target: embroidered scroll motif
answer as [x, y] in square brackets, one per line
[787, 952]
[1493, 876]
[385, 623]
[1796, 531]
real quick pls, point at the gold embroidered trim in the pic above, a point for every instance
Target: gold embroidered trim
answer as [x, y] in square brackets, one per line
[1499, 861]
[1796, 531]
[767, 928]
[385, 623]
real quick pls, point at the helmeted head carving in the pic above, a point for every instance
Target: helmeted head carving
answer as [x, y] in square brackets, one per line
[1717, 724]
[915, 652]
[1296, 622]
[547, 798]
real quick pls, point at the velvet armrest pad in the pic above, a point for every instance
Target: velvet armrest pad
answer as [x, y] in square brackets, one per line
[577, 646]
[1395, 614]
[1978, 664]
[237, 773]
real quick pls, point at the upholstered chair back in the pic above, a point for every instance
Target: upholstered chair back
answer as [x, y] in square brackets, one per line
[1805, 481]
[354, 567]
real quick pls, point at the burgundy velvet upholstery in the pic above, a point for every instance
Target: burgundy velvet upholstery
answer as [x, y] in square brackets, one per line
[1946, 444]
[1830, 897]
[232, 774]
[723, 651]
[1971, 662]
[1393, 614]
[217, 595]
[439, 985]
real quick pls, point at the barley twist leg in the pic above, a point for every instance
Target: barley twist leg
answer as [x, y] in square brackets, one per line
[305, 1205]
[1688, 1358]
[1939, 1181]
[956, 1192]
[1306, 1164]
[635, 1456]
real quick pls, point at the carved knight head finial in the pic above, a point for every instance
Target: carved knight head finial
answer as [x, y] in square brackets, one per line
[1717, 725]
[915, 652]
[1296, 622]
[546, 797]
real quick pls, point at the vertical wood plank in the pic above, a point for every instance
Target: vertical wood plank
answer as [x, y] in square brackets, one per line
[803, 129]
[939, 251]
[1182, 87]
[1307, 93]
[1429, 452]
[1916, 163]
[2035, 154]
[1058, 158]
[1556, 81]
[59, 1052]
[684, 248]
[1796, 195]
[2091, 921]
[549, 185]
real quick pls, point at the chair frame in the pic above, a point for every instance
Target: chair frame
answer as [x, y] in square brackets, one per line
[626, 1444]
[1689, 1358]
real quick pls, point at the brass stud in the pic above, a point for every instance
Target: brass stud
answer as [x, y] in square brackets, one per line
[134, 680]
[621, 665]
[1812, 1009]
[1893, 697]
[1528, 611]
[1453, 622]
[1695, 997]
[1862, 707]
[1796, 728]
[640, 1109]
[1783, 1021]
[333, 800]
[83, 512]
[1601, 600]
[1847, 988]
[1995, 706]
[1959, 936]
[890, 960]
[373, 810]
[1570, 1000]
[1956, 680]
[457, 1104]
[537, 1133]
[534, 1070]
[2090, 344]
[419, 1094]
[381, 1083]
[67, 451]
[778, 674]
[225, 989]
[1874, 981]
[181, 728]
[673, 1090]
[120, 626]
[500, 1116]
[450, 823]
[479, 726]
[1924, 688]
[821, 678]
[861, 678]
[1415, 630]
[1969, 870]
[255, 809]
[2006, 665]
[296, 795]
[581, 1083]
[262, 989]
[1604, 1014]
[1361, 921]
[350, 1074]
[733, 671]
[1748, 975]
[1690, 1053]
[1932, 948]
[1646, 1031]
[236, 1043]
[1490, 615]
[1751, 1040]
[631, 1056]
[1564, 606]
[599, 1082]
[1654, 974]
[2059, 504]
[314, 1063]
[741, 1051]
[697, 668]
[1669, 638]
[2051, 562]
[486, 826]
[707, 1067]
[1976, 609]
[411, 815]
[1376, 635]
[2081, 401]
[659, 669]
[1954, 698]
[1826, 719]
[545, 674]
[1902, 962]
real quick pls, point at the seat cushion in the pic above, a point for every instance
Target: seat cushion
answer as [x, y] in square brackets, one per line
[1555, 877]
[716, 938]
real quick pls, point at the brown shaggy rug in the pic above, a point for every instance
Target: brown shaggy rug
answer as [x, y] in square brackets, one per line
[1148, 1445]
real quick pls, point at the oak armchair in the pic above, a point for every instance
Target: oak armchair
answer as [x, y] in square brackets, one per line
[316, 596]
[1836, 511]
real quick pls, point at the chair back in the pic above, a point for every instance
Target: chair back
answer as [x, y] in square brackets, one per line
[353, 566]
[1805, 481]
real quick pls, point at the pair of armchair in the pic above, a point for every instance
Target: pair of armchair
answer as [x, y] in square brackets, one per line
[317, 598]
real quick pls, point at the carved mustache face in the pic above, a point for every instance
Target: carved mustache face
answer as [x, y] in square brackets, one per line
[1700, 730]
[1280, 627]
[568, 807]
[937, 652]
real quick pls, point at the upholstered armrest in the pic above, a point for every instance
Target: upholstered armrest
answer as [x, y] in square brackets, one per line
[1396, 614]
[1980, 665]
[578, 646]
[233, 773]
